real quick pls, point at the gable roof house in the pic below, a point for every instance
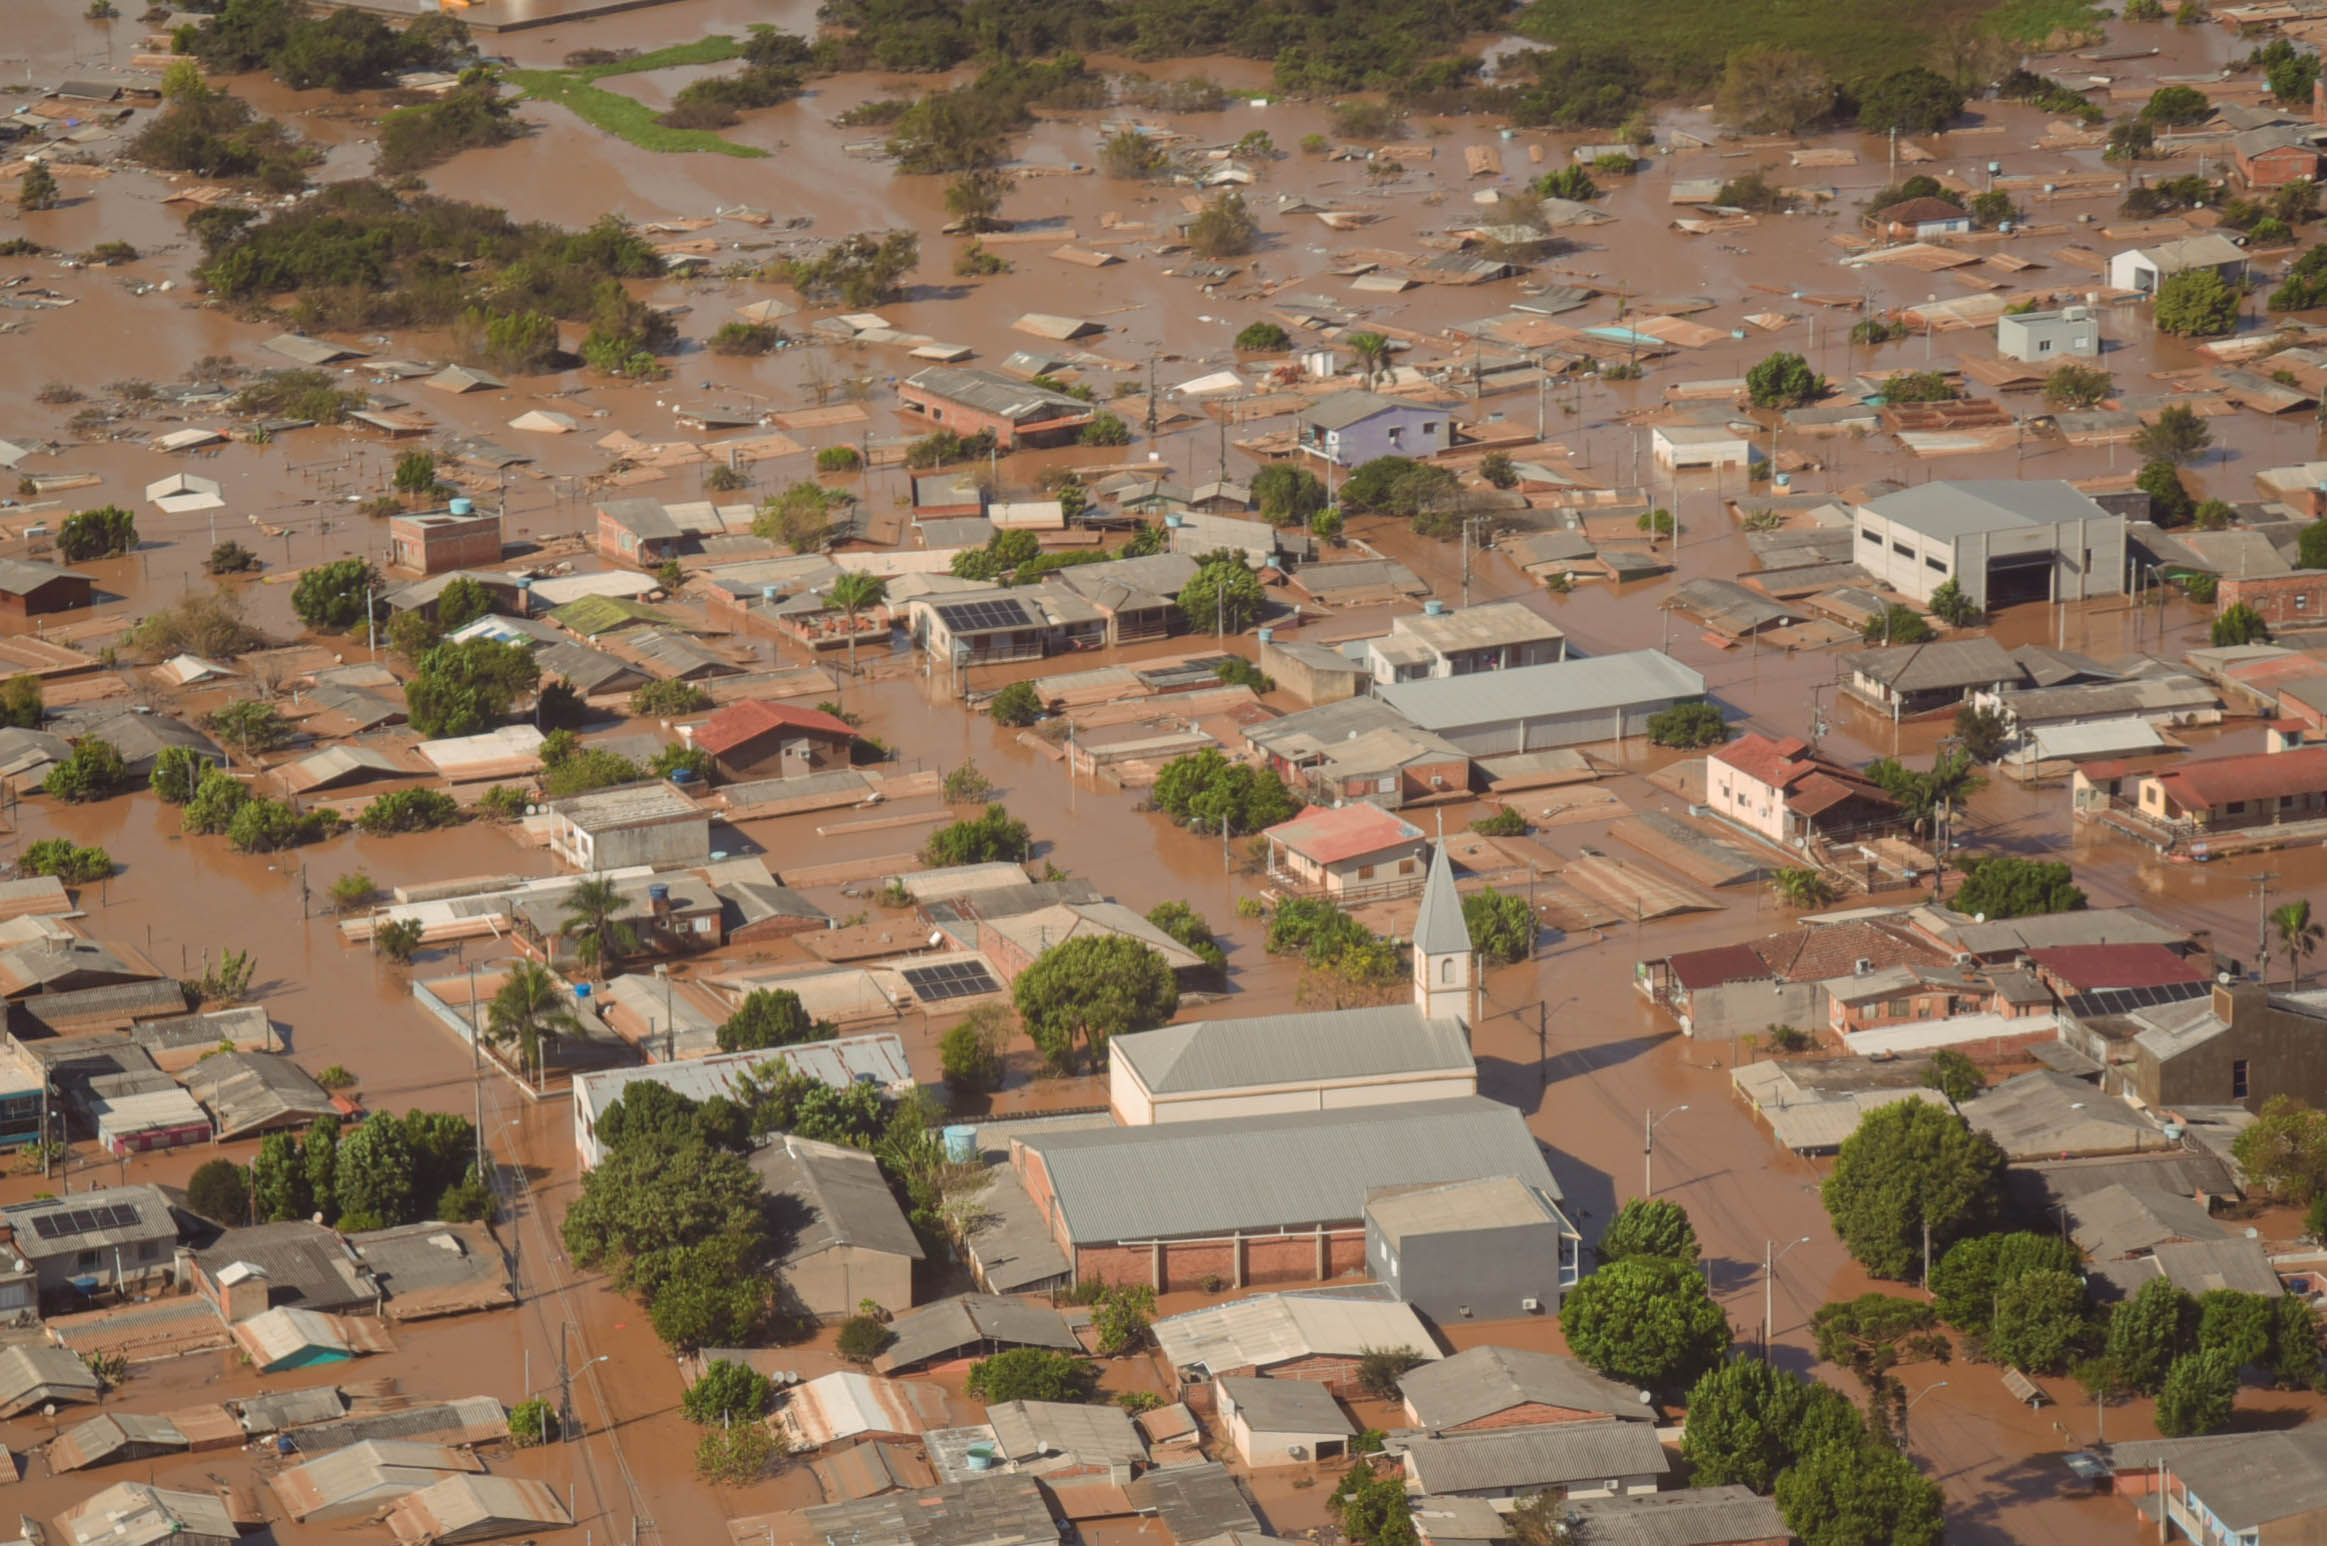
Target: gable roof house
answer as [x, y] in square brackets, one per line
[1576, 1459]
[30, 588]
[969, 402]
[1319, 1336]
[116, 1237]
[1350, 428]
[759, 738]
[2261, 1487]
[2143, 269]
[1481, 1388]
[639, 531]
[1493, 636]
[1789, 794]
[848, 1239]
[1350, 852]
[1915, 679]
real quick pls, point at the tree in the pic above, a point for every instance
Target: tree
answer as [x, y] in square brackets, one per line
[2176, 106]
[969, 1056]
[1223, 228]
[1015, 705]
[855, 591]
[177, 774]
[1499, 471]
[1263, 338]
[1646, 1319]
[858, 271]
[2002, 886]
[231, 558]
[1379, 1369]
[219, 1190]
[529, 1009]
[93, 770]
[1766, 90]
[2178, 436]
[727, 1392]
[1090, 989]
[2039, 1323]
[1749, 1422]
[37, 189]
[1801, 889]
[1370, 353]
[1373, 1509]
[1689, 725]
[105, 532]
[1859, 1494]
[2078, 386]
[595, 921]
[800, 517]
[1954, 1076]
[2283, 1152]
[1649, 1226]
[1981, 732]
[1502, 926]
[2169, 503]
[1912, 101]
[1120, 1316]
[1399, 485]
[2298, 935]
[399, 939]
[1187, 925]
[1909, 1171]
[2240, 623]
[1951, 606]
[995, 836]
[1896, 623]
[415, 473]
[1223, 595]
[1204, 791]
[2311, 543]
[251, 727]
[770, 1017]
[334, 597]
[2195, 303]
[1031, 1374]
[68, 861]
[2149, 1332]
[1875, 1333]
[861, 1339]
[1783, 381]
[2294, 1343]
[373, 1179]
[974, 199]
[1287, 495]
[2197, 1396]
[1949, 781]
[2235, 1325]
[468, 687]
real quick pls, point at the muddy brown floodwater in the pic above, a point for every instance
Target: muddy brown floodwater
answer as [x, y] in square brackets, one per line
[1563, 1037]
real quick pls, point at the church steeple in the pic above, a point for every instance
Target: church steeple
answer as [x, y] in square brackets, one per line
[1443, 963]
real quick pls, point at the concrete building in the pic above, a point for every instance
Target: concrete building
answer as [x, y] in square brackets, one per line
[1918, 219]
[1349, 429]
[1783, 791]
[1484, 1388]
[1537, 708]
[120, 1238]
[848, 1241]
[2239, 1044]
[758, 738]
[1359, 749]
[1438, 642]
[2142, 269]
[2048, 337]
[459, 537]
[1282, 1422]
[971, 402]
[1205, 1070]
[2001, 541]
[1489, 1249]
[1297, 1213]
[2220, 794]
[645, 823]
[1353, 852]
[640, 531]
[1683, 447]
[1693, 1516]
[877, 1059]
[1317, 673]
[1566, 1460]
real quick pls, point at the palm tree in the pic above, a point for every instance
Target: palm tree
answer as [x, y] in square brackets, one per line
[1373, 355]
[595, 922]
[2292, 922]
[530, 1010]
[1801, 889]
[853, 592]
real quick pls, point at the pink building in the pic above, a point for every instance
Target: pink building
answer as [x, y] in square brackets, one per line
[1786, 792]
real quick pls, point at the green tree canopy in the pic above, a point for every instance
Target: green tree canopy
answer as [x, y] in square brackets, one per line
[1782, 380]
[983, 839]
[2195, 303]
[1911, 100]
[1749, 1421]
[2283, 1152]
[1646, 1319]
[1966, 1281]
[462, 689]
[2006, 886]
[1650, 1226]
[1859, 1494]
[2148, 1332]
[2197, 1395]
[1203, 789]
[332, 597]
[1089, 989]
[1502, 925]
[1031, 1374]
[771, 1017]
[1224, 595]
[2039, 1323]
[1287, 494]
[1910, 1166]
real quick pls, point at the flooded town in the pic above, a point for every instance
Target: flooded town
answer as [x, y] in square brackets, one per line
[856, 775]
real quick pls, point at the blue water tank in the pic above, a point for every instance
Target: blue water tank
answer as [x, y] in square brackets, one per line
[581, 990]
[682, 775]
[464, 507]
[658, 892]
[961, 1142]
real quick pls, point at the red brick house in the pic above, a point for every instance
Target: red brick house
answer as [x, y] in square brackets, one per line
[438, 540]
[29, 588]
[1482, 1388]
[758, 739]
[2273, 156]
[970, 402]
[2295, 600]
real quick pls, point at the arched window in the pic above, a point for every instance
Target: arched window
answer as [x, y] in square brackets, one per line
[1446, 971]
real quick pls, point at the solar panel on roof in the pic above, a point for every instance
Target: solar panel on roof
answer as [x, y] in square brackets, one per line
[45, 1226]
[971, 615]
[950, 979]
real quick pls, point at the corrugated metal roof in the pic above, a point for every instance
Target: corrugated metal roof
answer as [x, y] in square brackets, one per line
[848, 1201]
[1699, 1516]
[1566, 687]
[1085, 1435]
[1270, 1329]
[1481, 1381]
[1285, 1406]
[2118, 1221]
[1530, 1458]
[1355, 1044]
[2244, 1479]
[136, 1514]
[843, 1405]
[968, 1320]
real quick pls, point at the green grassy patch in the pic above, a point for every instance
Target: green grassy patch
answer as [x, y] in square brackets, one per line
[2035, 23]
[1683, 43]
[626, 117]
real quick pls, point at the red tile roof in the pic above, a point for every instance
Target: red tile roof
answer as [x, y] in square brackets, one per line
[737, 723]
[1821, 952]
[1810, 783]
[1695, 969]
[1760, 757]
[1328, 836]
[2220, 781]
[2091, 968]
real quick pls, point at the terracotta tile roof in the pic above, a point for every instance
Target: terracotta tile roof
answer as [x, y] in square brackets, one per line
[1762, 758]
[724, 731]
[1695, 969]
[1822, 790]
[1824, 951]
[2260, 776]
[1810, 783]
[1328, 836]
[2091, 968]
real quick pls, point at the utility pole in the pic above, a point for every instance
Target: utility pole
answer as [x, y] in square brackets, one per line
[477, 1068]
[1151, 398]
[2261, 885]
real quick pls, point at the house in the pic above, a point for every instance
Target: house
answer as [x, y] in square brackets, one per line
[996, 1510]
[1359, 749]
[833, 1407]
[1298, 1214]
[1206, 1069]
[1059, 1439]
[1579, 1459]
[288, 1337]
[1537, 708]
[970, 1324]
[2044, 337]
[977, 627]
[848, 1241]
[293, 1262]
[1319, 1337]
[1694, 1516]
[972, 402]
[2002, 541]
[2237, 1044]
[251, 1093]
[1490, 1248]
[1349, 429]
[29, 588]
[119, 1238]
[476, 1508]
[2265, 1486]
[2270, 156]
[2289, 602]
[1681, 447]
[140, 1514]
[140, 1112]
[638, 530]
[2120, 1223]
[1282, 1422]
[431, 1269]
[2093, 979]
[1918, 219]
[675, 914]
[1910, 679]
[360, 1480]
[2142, 269]
[589, 671]
[1483, 1388]
[1439, 642]
[869, 1469]
[1016, 942]
[2049, 1115]
[1264, 546]
[949, 495]
[139, 737]
[644, 823]
[1783, 791]
[457, 537]
[2215, 794]
[760, 738]
[1355, 851]
[1316, 673]
[115, 1438]
[1742, 989]
[36, 1374]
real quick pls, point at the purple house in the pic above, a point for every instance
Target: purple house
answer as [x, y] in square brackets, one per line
[1350, 428]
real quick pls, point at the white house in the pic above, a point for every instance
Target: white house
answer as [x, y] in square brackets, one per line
[1681, 446]
[2141, 269]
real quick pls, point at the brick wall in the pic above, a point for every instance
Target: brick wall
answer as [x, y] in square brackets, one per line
[2282, 599]
[1528, 1414]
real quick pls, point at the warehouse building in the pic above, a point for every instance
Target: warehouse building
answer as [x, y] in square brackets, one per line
[1536, 708]
[2002, 541]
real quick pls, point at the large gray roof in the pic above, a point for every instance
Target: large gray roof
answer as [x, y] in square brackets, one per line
[1528, 1459]
[1975, 662]
[849, 1202]
[2243, 1479]
[1698, 1516]
[968, 1320]
[1481, 1381]
[993, 1511]
[1439, 929]
[1343, 409]
[2042, 1115]
[2120, 1220]
[1003, 396]
[1568, 687]
[1375, 1043]
[1272, 1172]
[1286, 1406]
[1964, 508]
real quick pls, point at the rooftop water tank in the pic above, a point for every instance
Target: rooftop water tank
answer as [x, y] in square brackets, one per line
[464, 507]
[961, 1142]
[657, 891]
[1434, 608]
[1267, 635]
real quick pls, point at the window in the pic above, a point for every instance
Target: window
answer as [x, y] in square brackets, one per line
[2235, 808]
[1397, 434]
[1446, 977]
[1365, 872]
[2044, 346]
[1897, 1009]
[1408, 866]
[88, 1259]
[1429, 426]
[148, 1251]
[2238, 1079]
[1902, 549]
[1868, 535]
[1935, 565]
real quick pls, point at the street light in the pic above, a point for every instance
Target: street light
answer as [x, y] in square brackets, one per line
[1910, 1406]
[1770, 1257]
[1648, 1126]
